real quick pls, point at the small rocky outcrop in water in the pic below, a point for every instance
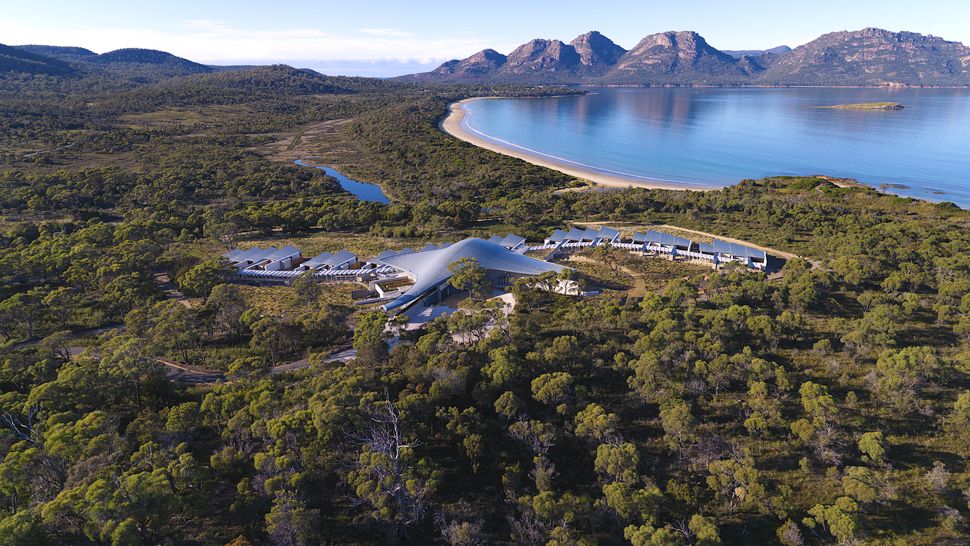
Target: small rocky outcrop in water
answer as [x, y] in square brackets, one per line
[867, 106]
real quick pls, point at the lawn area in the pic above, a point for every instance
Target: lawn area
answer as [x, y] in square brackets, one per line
[169, 118]
[363, 244]
[276, 300]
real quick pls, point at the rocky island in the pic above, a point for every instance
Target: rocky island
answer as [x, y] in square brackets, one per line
[867, 106]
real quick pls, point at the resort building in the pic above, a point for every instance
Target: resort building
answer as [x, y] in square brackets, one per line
[668, 242]
[329, 261]
[656, 243]
[429, 270]
[510, 241]
[264, 259]
[752, 257]
[577, 236]
[400, 278]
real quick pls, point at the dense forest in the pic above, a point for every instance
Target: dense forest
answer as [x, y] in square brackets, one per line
[829, 403]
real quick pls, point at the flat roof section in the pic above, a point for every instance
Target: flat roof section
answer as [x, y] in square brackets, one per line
[340, 258]
[667, 239]
[738, 250]
[608, 233]
[511, 241]
[557, 236]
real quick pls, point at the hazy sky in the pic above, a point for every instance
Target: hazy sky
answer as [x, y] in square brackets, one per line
[384, 37]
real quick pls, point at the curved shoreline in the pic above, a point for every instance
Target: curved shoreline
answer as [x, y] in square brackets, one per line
[454, 124]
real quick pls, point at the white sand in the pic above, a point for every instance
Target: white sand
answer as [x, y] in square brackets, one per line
[452, 125]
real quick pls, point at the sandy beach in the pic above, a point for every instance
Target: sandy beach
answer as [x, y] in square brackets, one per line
[454, 126]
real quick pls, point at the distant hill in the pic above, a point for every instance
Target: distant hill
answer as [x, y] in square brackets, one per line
[870, 57]
[675, 57]
[551, 59]
[244, 85]
[120, 57]
[151, 57]
[123, 67]
[480, 65]
[874, 57]
[68, 54]
[270, 79]
[13, 59]
[149, 76]
[596, 50]
[738, 53]
[865, 57]
[669, 57]
[538, 60]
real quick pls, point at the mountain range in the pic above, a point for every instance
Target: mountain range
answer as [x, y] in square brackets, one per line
[868, 57]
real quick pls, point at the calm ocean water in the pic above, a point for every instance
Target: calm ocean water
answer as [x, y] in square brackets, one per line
[717, 137]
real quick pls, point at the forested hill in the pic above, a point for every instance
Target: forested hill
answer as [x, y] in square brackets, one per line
[156, 77]
[245, 85]
[149, 57]
[14, 60]
[60, 52]
[115, 69]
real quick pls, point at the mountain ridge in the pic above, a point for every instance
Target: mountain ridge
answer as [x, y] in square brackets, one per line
[866, 57]
[594, 49]
[134, 55]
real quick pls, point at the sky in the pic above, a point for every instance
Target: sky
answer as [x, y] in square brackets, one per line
[386, 37]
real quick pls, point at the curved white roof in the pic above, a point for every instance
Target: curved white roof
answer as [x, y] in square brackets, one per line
[429, 269]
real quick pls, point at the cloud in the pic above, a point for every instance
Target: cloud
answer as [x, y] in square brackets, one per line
[211, 41]
[389, 32]
[205, 24]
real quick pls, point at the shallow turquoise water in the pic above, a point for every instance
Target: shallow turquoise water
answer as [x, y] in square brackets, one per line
[716, 137]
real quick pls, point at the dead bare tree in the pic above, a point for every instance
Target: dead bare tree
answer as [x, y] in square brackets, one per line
[385, 477]
[23, 426]
[49, 472]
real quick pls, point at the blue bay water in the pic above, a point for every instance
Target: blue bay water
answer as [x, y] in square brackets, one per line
[717, 137]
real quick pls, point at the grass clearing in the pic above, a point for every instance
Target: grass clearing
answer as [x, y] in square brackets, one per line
[365, 245]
